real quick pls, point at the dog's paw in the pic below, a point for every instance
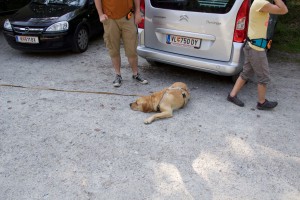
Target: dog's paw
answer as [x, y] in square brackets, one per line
[148, 121]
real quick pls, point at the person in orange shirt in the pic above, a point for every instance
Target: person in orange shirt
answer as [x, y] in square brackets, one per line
[256, 61]
[120, 19]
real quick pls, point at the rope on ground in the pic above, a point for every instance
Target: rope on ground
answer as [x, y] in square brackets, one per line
[70, 91]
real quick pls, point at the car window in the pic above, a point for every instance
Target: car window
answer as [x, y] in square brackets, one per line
[208, 6]
[63, 2]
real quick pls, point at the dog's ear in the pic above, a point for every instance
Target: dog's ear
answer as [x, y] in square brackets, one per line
[146, 104]
[147, 107]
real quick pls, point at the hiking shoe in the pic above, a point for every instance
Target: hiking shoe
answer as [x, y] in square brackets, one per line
[140, 79]
[235, 100]
[118, 81]
[267, 105]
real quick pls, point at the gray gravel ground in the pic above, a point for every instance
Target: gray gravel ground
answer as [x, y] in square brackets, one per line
[64, 145]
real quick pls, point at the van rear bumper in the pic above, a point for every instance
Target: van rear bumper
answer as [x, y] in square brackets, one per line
[229, 68]
[215, 67]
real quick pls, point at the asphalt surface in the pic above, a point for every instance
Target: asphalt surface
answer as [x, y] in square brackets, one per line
[67, 133]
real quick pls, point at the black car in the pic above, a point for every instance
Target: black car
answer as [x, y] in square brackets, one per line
[10, 6]
[53, 25]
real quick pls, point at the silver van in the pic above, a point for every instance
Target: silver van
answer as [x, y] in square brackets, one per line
[205, 35]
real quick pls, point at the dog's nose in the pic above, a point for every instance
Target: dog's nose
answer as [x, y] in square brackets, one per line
[130, 104]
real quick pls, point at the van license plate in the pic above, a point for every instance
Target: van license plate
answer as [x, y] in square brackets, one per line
[27, 39]
[183, 41]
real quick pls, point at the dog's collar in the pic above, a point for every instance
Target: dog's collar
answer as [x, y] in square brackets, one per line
[158, 108]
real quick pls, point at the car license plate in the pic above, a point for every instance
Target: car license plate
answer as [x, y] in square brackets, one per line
[183, 41]
[27, 39]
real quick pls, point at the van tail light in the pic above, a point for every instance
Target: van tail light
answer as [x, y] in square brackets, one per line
[241, 24]
[142, 6]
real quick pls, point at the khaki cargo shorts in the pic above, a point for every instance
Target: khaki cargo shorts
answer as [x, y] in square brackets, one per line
[117, 29]
[256, 62]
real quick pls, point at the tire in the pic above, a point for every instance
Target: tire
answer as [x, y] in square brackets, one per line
[81, 39]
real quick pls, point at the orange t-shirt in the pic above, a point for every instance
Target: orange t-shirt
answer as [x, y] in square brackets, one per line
[116, 9]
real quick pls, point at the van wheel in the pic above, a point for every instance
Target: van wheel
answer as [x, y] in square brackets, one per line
[81, 40]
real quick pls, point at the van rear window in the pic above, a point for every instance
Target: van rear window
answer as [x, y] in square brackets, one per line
[208, 6]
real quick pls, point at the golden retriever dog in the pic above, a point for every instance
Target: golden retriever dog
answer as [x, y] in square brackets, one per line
[165, 101]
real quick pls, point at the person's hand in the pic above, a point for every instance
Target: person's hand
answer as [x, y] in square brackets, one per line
[103, 18]
[137, 17]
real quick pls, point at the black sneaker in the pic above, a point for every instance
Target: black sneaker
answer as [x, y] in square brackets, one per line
[267, 105]
[118, 81]
[235, 100]
[140, 79]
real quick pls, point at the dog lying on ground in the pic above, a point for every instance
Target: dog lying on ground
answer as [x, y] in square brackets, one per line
[165, 101]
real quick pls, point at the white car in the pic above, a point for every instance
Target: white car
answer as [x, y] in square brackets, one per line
[205, 35]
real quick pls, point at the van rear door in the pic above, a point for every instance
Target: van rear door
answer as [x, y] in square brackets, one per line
[197, 28]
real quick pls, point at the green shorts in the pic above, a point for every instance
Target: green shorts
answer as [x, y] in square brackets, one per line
[256, 62]
[117, 29]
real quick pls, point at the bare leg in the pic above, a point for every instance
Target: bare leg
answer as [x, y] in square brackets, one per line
[261, 90]
[237, 86]
[116, 61]
[133, 62]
